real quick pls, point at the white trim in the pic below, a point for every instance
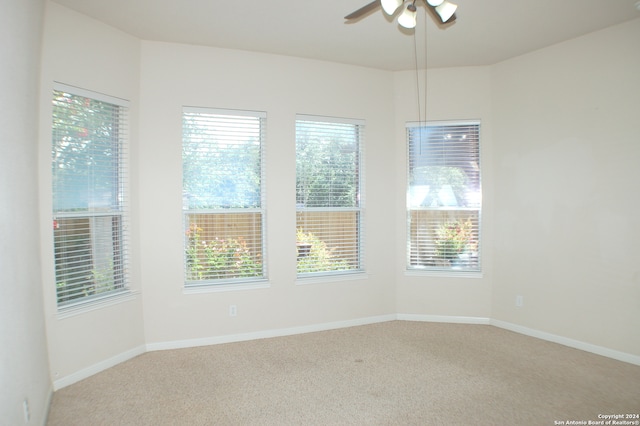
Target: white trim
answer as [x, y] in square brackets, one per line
[444, 318]
[450, 273]
[440, 123]
[223, 111]
[83, 306]
[231, 338]
[576, 344]
[328, 119]
[78, 91]
[97, 368]
[328, 277]
[220, 287]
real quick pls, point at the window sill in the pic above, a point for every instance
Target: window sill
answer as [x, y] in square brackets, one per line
[442, 273]
[325, 278]
[229, 286]
[95, 304]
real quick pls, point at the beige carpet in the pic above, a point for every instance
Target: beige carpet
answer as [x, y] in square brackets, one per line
[394, 373]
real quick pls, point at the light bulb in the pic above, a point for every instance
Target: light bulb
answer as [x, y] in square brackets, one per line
[390, 6]
[446, 10]
[408, 17]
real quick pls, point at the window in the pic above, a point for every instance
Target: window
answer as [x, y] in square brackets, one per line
[223, 187]
[328, 195]
[444, 196]
[89, 156]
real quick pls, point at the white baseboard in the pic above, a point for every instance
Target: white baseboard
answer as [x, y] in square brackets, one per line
[96, 368]
[180, 344]
[189, 343]
[576, 344]
[444, 318]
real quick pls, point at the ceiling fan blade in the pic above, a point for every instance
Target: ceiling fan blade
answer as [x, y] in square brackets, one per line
[363, 10]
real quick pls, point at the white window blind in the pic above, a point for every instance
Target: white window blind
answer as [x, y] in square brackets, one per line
[444, 196]
[89, 162]
[329, 179]
[223, 187]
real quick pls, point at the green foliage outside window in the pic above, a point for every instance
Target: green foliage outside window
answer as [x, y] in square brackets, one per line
[326, 167]
[315, 256]
[89, 201]
[453, 238]
[231, 257]
[219, 258]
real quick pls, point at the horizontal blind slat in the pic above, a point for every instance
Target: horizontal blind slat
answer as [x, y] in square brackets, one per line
[443, 195]
[223, 191]
[329, 179]
[89, 157]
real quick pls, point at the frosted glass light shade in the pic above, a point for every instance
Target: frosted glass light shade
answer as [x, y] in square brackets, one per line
[435, 3]
[390, 6]
[408, 17]
[446, 10]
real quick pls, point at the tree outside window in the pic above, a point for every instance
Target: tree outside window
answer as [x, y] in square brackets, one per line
[89, 194]
[328, 195]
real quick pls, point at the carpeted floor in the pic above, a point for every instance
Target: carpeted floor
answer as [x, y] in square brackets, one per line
[393, 373]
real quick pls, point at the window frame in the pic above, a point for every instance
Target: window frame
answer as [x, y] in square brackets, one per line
[239, 283]
[450, 271]
[120, 208]
[358, 209]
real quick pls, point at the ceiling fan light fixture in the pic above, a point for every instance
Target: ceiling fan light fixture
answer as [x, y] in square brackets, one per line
[446, 10]
[390, 6]
[408, 17]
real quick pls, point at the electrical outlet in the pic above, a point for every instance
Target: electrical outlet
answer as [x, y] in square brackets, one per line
[25, 408]
[233, 310]
[519, 301]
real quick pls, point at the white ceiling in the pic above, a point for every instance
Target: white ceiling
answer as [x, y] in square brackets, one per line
[485, 32]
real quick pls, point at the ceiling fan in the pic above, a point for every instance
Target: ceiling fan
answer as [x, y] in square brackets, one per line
[444, 9]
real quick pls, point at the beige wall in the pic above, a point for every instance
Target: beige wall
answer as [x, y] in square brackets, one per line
[551, 120]
[452, 94]
[174, 76]
[567, 154]
[24, 367]
[82, 52]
